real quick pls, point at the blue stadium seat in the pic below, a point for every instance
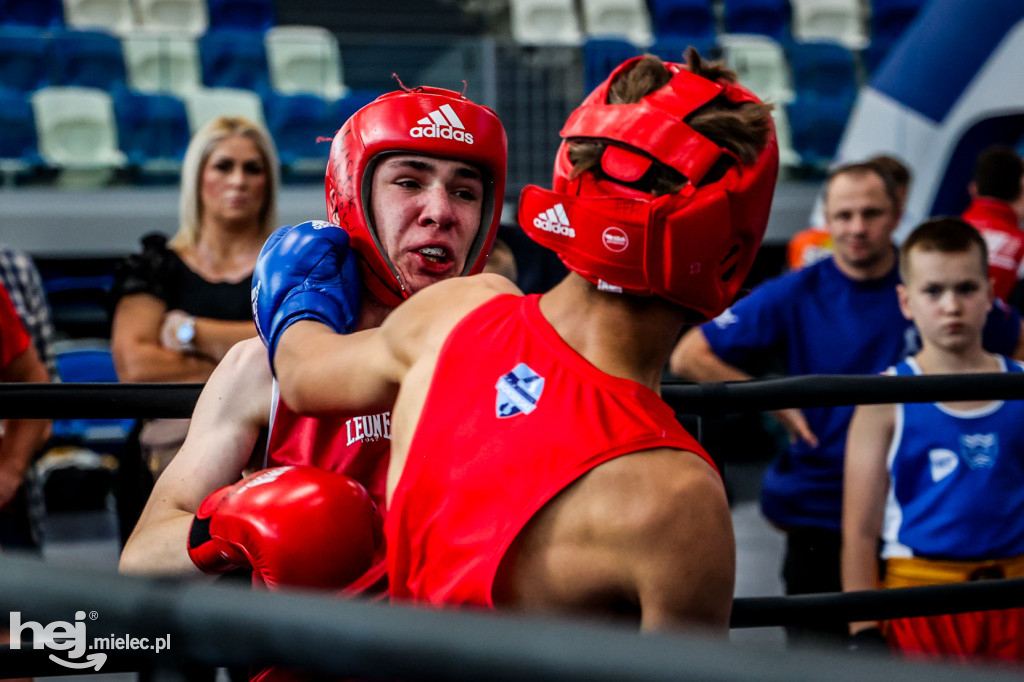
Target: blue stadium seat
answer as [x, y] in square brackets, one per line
[691, 19]
[825, 85]
[91, 365]
[40, 13]
[251, 15]
[89, 59]
[303, 126]
[296, 122]
[601, 55]
[350, 104]
[823, 69]
[86, 365]
[767, 17]
[234, 59]
[152, 130]
[817, 125]
[672, 48]
[23, 58]
[19, 146]
[79, 299]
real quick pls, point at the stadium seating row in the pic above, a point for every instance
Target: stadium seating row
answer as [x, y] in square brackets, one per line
[286, 59]
[89, 134]
[855, 23]
[102, 124]
[262, 74]
[193, 17]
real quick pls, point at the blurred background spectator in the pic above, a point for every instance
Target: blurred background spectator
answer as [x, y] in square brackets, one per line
[996, 211]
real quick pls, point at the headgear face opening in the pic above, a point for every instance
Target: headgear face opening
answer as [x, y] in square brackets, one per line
[694, 246]
[428, 121]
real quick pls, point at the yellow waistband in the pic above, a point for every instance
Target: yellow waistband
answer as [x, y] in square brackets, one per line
[916, 572]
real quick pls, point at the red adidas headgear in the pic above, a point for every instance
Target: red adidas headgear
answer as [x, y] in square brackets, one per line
[429, 121]
[693, 247]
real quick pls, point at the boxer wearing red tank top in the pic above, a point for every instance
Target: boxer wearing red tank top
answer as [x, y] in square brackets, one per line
[533, 466]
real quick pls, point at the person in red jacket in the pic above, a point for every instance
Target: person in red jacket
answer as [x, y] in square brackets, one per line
[533, 464]
[996, 210]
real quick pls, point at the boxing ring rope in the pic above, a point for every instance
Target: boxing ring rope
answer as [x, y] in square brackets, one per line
[984, 595]
[223, 626]
[101, 400]
[229, 625]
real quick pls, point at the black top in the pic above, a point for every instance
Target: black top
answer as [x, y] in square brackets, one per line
[158, 270]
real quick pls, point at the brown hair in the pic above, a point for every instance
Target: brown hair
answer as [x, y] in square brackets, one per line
[742, 128]
[945, 234]
[200, 147]
[862, 168]
[896, 169]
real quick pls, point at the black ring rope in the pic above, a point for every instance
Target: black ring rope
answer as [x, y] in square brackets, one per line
[223, 625]
[830, 390]
[933, 600]
[100, 400]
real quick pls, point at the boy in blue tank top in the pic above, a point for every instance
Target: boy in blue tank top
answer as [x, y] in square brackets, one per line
[941, 484]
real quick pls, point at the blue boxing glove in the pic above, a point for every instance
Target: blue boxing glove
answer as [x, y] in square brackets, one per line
[305, 272]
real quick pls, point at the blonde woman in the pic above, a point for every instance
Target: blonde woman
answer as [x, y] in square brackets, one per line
[181, 303]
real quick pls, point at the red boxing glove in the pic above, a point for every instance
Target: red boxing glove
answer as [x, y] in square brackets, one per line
[294, 526]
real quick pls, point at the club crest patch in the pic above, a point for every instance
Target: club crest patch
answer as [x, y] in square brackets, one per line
[979, 450]
[518, 391]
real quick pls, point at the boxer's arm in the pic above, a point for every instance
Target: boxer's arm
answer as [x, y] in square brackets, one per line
[232, 408]
[865, 487]
[320, 371]
[685, 553]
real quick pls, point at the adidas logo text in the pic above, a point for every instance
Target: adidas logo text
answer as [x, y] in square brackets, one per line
[442, 123]
[556, 221]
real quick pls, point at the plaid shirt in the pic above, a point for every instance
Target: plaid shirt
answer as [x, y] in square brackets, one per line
[19, 275]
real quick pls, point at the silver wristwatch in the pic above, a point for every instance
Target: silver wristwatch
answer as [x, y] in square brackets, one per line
[186, 334]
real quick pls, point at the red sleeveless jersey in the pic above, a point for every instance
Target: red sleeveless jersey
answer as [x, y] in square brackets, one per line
[513, 416]
[358, 446]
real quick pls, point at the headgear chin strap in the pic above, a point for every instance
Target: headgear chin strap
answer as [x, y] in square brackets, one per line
[428, 121]
[693, 247]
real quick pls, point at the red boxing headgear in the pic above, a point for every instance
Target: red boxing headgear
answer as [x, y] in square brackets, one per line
[694, 246]
[428, 121]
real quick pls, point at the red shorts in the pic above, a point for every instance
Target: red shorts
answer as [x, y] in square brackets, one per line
[990, 635]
